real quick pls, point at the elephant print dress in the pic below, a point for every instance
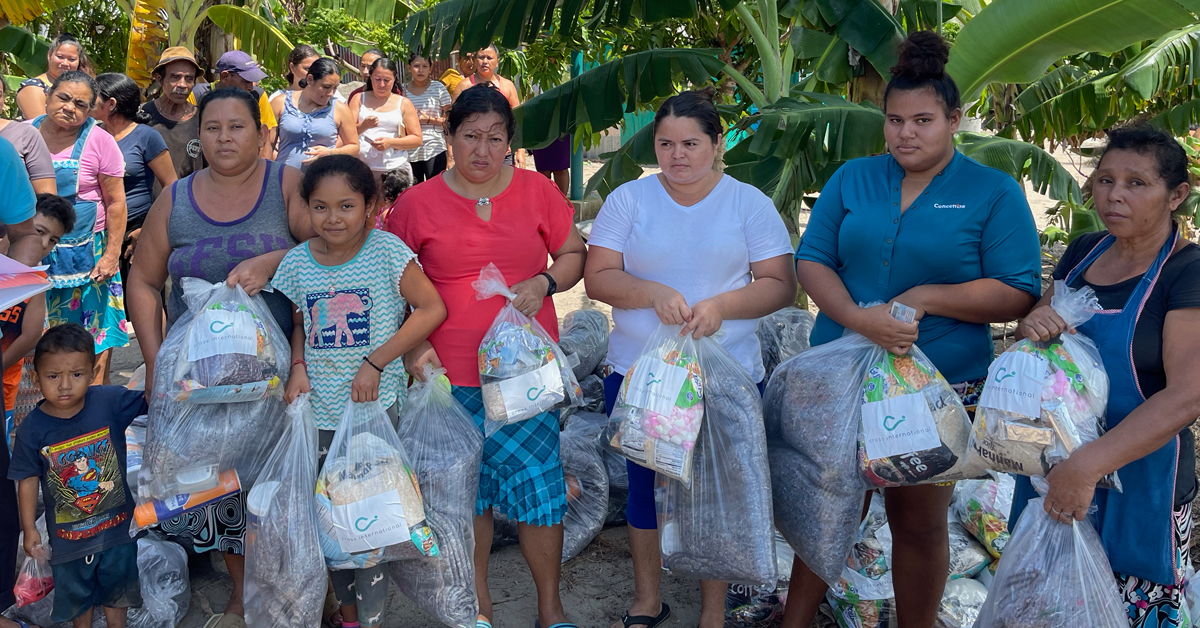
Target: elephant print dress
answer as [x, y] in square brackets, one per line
[349, 311]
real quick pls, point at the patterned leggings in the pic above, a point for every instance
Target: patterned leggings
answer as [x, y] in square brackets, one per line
[1153, 605]
[365, 587]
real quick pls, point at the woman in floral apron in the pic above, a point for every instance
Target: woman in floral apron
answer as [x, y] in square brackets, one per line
[89, 172]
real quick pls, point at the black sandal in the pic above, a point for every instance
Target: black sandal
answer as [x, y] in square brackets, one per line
[646, 620]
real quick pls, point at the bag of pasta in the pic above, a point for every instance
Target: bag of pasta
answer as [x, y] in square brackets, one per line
[283, 555]
[660, 407]
[523, 373]
[226, 348]
[1043, 400]
[720, 527]
[446, 448]
[1053, 575]
[369, 506]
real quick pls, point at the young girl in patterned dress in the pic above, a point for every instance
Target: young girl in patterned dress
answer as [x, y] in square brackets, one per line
[352, 286]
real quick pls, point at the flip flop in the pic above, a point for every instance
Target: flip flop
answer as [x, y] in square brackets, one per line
[646, 620]
[224, 620]
[564, 624]
[482, 623]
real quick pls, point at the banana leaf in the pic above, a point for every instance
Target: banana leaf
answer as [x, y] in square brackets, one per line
[1022, 160]
[1014, 41]
[255, 35]
[601, 96]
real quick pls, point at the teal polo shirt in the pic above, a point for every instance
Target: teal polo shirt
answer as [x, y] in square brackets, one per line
[971, 222]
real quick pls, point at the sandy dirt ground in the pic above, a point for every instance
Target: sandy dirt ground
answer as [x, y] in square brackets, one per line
[596, 586]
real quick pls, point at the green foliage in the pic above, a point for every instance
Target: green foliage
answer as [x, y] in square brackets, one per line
[255, 34]
[102, 26]
[600, 97]
[1015, 41]
[1022, 160]
[26, 50]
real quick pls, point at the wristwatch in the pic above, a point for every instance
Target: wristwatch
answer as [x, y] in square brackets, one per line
[553, 287]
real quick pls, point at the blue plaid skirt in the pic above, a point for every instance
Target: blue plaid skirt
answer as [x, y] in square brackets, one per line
[521, 474]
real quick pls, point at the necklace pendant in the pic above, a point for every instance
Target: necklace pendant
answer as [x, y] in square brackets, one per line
[483, 200]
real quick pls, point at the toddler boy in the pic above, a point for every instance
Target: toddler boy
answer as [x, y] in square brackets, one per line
[74, 444]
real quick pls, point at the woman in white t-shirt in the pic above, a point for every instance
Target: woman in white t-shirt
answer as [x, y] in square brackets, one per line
[689, 247]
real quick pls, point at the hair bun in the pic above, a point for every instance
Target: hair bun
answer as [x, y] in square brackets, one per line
[922, 56]
[708, 93]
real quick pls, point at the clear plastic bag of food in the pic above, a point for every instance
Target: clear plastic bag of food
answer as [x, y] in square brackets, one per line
[165, 585]
[968, 557]
[283, 552]
[961, 602]
[446, 448]
[782, 335]
[983, 507]
[226, 348]
[584, 340]
[1043, 400]
[867, 574]
[522, 371]
[369, 505]
[914, 428]
[587, 488]
[720, 526]
[35, 580]
[1053, 575]
[214, 439]
[661, 405]
[811, 408]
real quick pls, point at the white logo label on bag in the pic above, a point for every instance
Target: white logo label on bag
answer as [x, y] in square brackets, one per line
[220, 332]
[533, 392]
[371, 523]
[898, 425]
[1014, 384]
[654, 385]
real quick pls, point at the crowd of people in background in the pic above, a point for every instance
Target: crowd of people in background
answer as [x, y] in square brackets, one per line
[309, 191]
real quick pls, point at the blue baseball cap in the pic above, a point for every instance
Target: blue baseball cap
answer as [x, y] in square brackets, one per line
[242, 64]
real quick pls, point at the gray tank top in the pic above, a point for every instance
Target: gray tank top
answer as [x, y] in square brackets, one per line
[208, 249]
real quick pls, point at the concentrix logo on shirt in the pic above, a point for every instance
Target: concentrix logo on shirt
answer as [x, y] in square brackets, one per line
[949, 206]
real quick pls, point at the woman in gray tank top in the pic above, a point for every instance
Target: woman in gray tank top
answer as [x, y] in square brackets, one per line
[232, 221]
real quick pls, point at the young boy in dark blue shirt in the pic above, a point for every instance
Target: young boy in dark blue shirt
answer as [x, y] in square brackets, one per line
[74, 444]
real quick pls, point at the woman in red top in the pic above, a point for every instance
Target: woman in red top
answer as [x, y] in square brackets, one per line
[479, 212]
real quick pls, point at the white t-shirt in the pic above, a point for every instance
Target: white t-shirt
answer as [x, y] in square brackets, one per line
[701, 251]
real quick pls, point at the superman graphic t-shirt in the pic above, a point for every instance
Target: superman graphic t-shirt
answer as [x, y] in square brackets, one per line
[81, 462]
[349, 311]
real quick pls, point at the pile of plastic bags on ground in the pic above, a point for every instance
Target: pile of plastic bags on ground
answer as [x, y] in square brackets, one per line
[1053, 576]
[865, 596]
[216, 409]
[661, 405]
[720, 526]
[522, 371]
[1043, 400]
[587, 487]
[369, 506]
[283, 552]
[583, 338]
[446, 449]
[782, 335]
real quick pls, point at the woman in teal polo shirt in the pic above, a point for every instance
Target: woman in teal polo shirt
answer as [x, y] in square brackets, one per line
[938, 232]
